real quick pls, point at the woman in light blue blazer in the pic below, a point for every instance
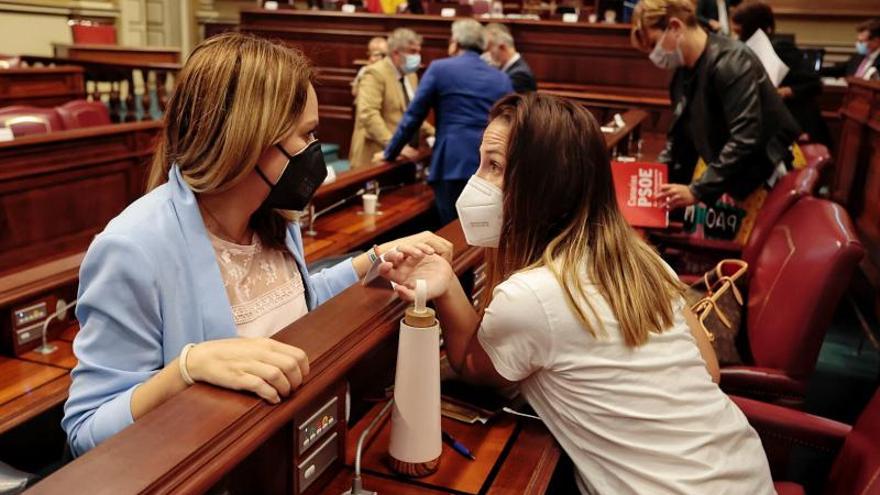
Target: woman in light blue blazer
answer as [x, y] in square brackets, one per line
[238, 150]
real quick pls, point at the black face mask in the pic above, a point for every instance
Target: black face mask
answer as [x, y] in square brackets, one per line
[301, 177]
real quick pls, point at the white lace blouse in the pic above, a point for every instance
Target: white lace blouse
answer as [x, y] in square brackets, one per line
[264, 286]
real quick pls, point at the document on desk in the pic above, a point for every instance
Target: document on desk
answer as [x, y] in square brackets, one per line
[763, 48]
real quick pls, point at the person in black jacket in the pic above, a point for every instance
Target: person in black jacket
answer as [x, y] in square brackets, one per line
[801, 87]
[501, 52]
[713, 15]
[726, 110]
[865, 63]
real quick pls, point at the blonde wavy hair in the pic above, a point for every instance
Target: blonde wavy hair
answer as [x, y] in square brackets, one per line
[236, 96]
[655, 14]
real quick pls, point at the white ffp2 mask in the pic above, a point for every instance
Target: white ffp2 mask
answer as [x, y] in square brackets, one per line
[480, 210]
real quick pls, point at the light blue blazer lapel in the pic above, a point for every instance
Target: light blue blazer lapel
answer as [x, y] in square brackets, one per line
[293, 241]
[214, 307]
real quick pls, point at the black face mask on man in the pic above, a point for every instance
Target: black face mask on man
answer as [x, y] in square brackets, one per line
[301, 177]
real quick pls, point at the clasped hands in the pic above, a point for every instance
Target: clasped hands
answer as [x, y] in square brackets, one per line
[272, 369]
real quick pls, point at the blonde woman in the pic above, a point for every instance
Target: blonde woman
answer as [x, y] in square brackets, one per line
[585, 317]
[209, 255]
[726, 113]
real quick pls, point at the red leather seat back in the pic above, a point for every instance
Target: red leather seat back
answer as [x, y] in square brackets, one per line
[857, 467]
[786, 192]
[26, 121]
[82, 113]
[797, 281]
[93, 34]
[481, 7]
[817, 155]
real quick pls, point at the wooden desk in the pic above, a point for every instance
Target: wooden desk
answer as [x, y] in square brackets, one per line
[344, 230]
[28, 389]
[511, 456]
[559, 52]
[115, 54]
[41, 86]
[594, 58]
[88, 174]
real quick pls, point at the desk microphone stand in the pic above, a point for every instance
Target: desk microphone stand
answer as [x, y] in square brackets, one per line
[47, 349]
[357, 487]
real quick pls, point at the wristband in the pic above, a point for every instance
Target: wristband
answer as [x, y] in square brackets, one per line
[372, 255]
[181, 364]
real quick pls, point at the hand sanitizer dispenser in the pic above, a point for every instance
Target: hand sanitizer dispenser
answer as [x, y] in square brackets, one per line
[416, 443]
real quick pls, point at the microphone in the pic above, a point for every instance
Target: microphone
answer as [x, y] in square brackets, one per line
[60, 313]
[357, 487]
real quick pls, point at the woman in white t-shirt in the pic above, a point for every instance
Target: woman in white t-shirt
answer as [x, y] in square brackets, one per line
[585, 316]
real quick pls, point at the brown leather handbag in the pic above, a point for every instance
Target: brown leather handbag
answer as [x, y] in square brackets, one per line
[717, 302]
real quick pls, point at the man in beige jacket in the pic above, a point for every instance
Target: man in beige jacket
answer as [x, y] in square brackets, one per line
[384, 91]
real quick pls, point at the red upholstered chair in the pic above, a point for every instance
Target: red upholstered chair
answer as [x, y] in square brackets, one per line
[82, 113]
[794, 186]
[796, 282]
[26, 121]
[787, 191]
[817, 155]
[856, 449]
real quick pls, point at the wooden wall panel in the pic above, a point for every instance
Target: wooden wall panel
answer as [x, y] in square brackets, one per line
[58, 190]
[41, 86]
[558, 52]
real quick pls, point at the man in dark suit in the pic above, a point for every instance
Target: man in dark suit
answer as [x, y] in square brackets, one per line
[865, 63]
[501, 52]
[460, 89]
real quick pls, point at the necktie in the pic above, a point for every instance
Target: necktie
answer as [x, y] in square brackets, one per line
[414, 141]
[863, 67]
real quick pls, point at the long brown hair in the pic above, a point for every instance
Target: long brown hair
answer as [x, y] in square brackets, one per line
[560, 212]
[236, 96]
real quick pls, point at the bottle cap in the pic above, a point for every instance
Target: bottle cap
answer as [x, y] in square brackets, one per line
[420, 315]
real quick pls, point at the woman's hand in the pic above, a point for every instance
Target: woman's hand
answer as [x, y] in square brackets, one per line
[263, 366]
[676, 196]
[440, 245]
[402, 262]
[435, 271]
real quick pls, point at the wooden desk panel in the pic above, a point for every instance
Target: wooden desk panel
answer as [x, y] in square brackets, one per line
[24, 407]
[114, 54]
[69, 333]
[455, 472]
[380, 484]
[346, 229]
[41, 86]
[88, 174]
[19, 377]
[577, 53]
[62, 358]
[526, 467]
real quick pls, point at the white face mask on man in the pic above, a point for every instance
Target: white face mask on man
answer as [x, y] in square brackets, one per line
[664, 59]
[480, 210]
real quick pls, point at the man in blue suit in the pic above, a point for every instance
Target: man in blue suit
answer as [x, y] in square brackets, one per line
[461, 89]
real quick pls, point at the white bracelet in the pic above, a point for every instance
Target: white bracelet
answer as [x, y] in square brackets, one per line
[181, 364]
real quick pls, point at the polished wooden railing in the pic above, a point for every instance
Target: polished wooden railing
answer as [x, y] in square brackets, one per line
[133, 91]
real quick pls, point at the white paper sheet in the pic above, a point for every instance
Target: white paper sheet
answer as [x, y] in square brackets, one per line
[775, 67]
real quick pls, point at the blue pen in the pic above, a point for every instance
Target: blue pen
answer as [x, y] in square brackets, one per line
[458, 446]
